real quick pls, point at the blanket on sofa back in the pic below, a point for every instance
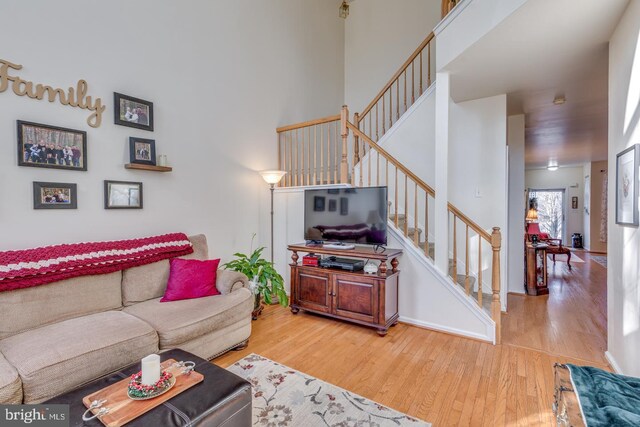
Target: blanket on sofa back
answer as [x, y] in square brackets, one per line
[39, 266]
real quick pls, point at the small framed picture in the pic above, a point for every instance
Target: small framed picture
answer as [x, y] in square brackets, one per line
[142, 151]
[45, 146]
[133, 112]
[344, 206]
[574, 202]
[627, 163]
[122, 195]
[318, 204]
[333, 205]
[55, 195]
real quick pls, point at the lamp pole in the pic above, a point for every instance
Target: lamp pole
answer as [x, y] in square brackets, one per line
[271, 186]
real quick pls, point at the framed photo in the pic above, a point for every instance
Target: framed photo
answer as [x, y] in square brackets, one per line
[627, 186]
[344, 206]
[55, 195]
[574, 202]
[122, 195]
[142, 151]
[318, 204]
[45, 146]
[333, 205]
[133, 112]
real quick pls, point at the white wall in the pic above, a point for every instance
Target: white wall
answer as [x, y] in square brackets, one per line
[222, 76]
[517, 204]
[623, 273]
[586, 204]
[478, 174]
[467, 23]
[379, 36]
[567, 179]
[598, 172]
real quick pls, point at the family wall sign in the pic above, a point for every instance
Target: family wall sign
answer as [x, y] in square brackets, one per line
[75, 97]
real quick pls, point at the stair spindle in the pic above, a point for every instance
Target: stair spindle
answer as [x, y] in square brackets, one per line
[397, 99]
[467, 282]
[406, 206]
[480, 271]
[420, 62]
[396, 199]
[315, 151]
[295, 145]
[405, 90]
[426, 224]
[413, 90]
[429, 65]
[416, 240]
[455, 251]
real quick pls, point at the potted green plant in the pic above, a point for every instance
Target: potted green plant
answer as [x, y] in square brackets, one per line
[266, 282]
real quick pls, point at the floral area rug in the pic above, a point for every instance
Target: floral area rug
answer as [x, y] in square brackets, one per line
[285, 397]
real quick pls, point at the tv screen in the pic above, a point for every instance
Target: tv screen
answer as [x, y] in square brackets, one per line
[353, 215]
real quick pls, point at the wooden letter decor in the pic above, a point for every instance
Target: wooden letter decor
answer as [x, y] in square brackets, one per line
[75, 97]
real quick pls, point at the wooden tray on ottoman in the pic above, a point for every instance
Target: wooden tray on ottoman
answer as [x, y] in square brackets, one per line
[123, 409]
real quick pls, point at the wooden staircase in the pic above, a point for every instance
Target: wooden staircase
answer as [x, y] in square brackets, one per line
[335, 149]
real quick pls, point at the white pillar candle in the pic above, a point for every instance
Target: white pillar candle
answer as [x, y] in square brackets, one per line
[162, 160]
[150, 369]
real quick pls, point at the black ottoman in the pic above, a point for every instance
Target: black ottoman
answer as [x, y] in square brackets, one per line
[222, 398]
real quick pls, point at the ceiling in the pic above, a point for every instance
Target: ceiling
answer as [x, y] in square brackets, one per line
[547, 48]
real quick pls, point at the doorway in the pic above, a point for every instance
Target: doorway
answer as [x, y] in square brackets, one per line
[551, 211]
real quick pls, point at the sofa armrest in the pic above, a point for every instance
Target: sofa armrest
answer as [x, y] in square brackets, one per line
[228, 281]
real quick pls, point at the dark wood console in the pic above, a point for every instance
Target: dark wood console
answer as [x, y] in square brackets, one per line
[366, 299]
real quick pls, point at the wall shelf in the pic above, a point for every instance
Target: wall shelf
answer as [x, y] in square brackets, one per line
[148, 167]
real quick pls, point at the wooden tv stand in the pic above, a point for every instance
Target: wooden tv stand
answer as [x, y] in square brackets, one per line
[366, 299]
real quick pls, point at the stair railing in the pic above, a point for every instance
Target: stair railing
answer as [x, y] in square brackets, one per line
[313, 152]
[407, 84]
[494, 240]
[373, 165]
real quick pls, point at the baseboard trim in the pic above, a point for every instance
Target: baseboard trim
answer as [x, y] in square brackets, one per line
[444, 329]
[612, 362]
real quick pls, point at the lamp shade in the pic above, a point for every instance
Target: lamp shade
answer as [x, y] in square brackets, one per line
[532, 215]
[374, 217]
[272, 176]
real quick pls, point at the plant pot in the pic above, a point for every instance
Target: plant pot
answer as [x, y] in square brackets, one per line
[257, 307]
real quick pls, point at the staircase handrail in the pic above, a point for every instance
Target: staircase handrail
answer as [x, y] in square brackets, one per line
[398, 73]
[426, 187]
[468, 221]
[308, 123]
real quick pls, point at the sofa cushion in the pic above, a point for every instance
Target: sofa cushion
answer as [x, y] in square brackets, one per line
[61, 356]
[29, 308]
[180, 321]
[191, 278]
[150, 281]
[10, 384]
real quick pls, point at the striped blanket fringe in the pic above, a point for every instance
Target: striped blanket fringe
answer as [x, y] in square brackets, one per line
[33, 267]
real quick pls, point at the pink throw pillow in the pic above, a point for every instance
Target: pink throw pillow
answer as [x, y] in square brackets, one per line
[191, 278]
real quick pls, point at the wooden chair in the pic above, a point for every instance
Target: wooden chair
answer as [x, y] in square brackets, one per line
[555, 245]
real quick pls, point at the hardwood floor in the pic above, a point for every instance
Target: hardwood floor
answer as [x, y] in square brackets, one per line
[440, 378]
[571, 321]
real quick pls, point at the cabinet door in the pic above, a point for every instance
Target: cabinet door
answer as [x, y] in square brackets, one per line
[356, 298]
[314, 290]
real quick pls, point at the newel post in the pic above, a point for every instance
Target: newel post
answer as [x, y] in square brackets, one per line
[344, 165]
[496, 242]
[356, 151]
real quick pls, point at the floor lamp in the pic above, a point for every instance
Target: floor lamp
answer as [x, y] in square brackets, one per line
[272, 177]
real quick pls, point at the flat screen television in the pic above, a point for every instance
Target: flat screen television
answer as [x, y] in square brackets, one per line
[351, 215]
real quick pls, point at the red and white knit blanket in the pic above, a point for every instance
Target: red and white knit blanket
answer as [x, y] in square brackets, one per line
[39, 266]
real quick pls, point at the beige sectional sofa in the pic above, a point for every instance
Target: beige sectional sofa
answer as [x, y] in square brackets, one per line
[56, 337]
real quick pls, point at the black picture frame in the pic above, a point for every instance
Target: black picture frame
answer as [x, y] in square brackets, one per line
[62, 148]
[142, 151]
[318, 204]
[627, 163]
[333, 205]
[344, 206]
[122, 106]
[48, 195]
[574, 202]
[114, 197]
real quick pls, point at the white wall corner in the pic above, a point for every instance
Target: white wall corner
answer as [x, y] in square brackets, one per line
[612, 362]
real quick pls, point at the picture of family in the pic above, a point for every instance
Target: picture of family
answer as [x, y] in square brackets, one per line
[133, 112]
[142, 151]
[54, 195]
[48, 146]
